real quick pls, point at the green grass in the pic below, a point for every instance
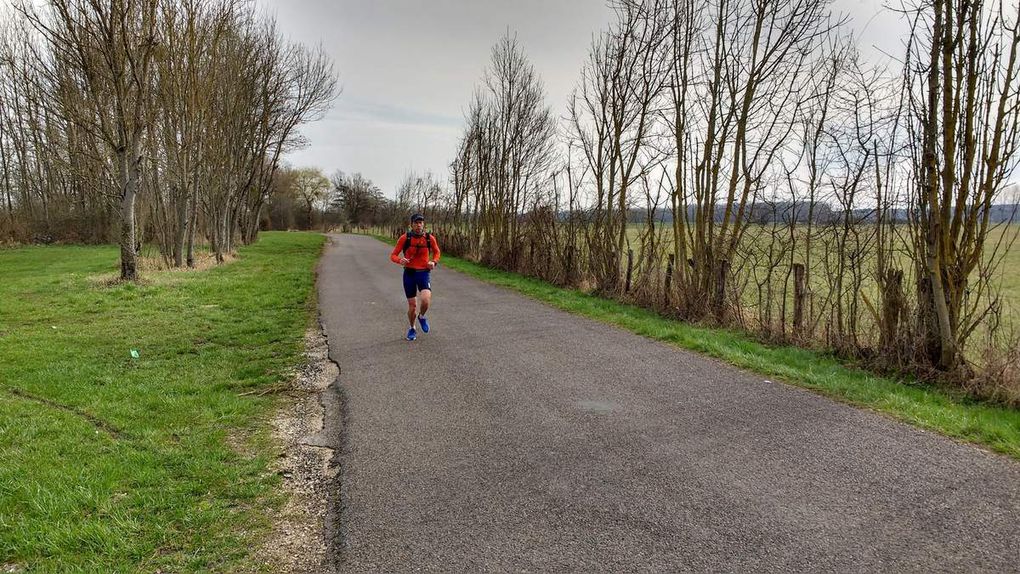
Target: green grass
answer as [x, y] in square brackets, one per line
[995, 427]
[115, 464]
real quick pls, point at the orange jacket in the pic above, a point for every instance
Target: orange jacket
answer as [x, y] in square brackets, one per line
[418, 252]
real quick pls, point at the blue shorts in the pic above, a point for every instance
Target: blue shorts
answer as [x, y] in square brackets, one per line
[415, 280]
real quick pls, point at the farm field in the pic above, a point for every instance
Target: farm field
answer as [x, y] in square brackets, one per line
[1006, 278]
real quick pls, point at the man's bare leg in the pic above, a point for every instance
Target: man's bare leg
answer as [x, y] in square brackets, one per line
[426, 300]
[412, 311]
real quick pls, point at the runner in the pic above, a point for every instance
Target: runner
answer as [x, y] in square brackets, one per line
[412, 251]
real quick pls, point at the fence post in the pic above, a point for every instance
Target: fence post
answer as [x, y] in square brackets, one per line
[630, 267]
[570, 265]
[892, 307]
[669, 275]
[798, 298]
[720, 288]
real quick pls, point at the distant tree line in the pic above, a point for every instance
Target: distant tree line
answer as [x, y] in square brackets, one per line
[819, 212]
[813, 196]
[156, 121]
[304, 198]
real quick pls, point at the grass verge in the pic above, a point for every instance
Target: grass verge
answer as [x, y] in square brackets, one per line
[112, 463]
[992, 426]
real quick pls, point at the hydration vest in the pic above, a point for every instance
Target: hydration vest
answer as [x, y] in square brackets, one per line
[407, 241]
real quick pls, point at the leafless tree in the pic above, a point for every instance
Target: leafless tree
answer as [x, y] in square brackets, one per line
[356, 198]
[167, 116]
[505, 154]
[100, 70]
[612, 118]
[964, 123]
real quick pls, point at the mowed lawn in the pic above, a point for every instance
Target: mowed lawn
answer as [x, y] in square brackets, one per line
[111, 463]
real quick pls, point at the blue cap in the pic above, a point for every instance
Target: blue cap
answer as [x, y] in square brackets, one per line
[417, 217]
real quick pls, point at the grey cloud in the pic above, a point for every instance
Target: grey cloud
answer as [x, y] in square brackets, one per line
[409, 67]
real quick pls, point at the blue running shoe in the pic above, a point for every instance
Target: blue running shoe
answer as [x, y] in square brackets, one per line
[424, 324]
[411, 335]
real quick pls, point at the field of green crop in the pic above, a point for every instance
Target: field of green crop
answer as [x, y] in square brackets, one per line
[1005, 280]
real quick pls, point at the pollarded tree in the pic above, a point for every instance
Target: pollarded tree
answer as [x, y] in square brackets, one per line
[965, 127]
[612, 122]
[736, 91]
[511, 132]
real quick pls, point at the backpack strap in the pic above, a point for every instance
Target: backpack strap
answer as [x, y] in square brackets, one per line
[407, 241]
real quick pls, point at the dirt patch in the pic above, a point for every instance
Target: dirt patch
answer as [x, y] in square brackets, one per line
[298, 540]
[108, 280]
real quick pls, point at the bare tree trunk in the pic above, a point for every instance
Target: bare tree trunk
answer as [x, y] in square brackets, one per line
[128, 173]
[193, 223]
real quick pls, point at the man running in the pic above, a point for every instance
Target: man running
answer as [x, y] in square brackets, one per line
[412, 251]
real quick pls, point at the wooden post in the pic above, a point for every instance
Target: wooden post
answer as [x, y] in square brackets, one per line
[570, 265]
[892, 307]
[669, 275]
[799, 294]
[719, 297]
[630, 267]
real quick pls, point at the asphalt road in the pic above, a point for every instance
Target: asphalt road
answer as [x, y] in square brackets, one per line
[516, 437]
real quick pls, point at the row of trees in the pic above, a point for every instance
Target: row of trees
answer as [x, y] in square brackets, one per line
[304, 198]
[151, 120]
[810, 195]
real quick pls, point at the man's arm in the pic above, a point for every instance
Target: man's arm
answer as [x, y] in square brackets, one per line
[396, 256]
[435, 250]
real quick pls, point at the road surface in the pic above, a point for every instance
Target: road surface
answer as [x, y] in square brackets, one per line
[516, 437]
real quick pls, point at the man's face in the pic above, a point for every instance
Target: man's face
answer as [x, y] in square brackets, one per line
[418, 226]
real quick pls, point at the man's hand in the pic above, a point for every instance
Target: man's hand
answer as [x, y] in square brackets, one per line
[404, 260]
[432, 264]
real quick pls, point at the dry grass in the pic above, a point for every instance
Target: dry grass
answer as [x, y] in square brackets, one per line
[154, 270]
[203, 261]
[999, 378]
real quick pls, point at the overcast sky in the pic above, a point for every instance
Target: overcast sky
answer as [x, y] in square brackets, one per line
[408, 69]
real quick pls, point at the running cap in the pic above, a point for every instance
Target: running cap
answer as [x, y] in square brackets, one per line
[417, 217]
